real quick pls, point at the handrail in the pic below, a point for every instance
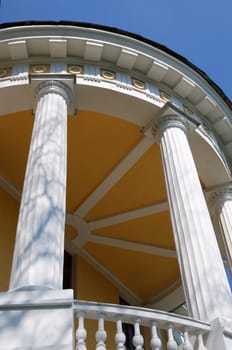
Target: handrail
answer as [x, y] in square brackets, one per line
[146, 316]
[182, 332]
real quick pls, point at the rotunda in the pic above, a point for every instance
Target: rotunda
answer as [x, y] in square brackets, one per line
[115, 193]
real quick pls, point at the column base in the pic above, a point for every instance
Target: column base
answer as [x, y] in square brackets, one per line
[37, 320]
[221, 335]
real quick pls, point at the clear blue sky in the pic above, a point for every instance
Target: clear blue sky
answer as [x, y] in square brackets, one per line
[200, 30]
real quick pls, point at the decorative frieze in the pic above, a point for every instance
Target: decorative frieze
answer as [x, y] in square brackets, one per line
[164, 96]
[138, 84]
[108, 78]
[5, 72]
[75, 69]
[39, 68]
[108, 74]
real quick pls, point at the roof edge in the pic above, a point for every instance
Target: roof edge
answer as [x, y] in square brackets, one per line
[128, 34]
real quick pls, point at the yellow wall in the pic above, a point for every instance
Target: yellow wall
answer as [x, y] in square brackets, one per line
[93, 286]
[8, 220]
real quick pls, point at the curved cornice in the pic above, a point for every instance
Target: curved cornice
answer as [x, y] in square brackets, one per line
[117, 31]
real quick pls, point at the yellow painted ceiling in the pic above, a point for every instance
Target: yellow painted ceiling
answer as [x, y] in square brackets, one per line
[143, 185]
[154, 229]
[15, 139]
[96, 145]
[146, 274]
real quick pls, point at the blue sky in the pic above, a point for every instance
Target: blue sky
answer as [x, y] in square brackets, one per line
[200, 30]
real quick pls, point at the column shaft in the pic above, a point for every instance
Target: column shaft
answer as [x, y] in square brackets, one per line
[204, 279]
[221, 201]
[39, 246]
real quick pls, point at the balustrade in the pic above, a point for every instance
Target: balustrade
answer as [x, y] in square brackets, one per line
[182, 333]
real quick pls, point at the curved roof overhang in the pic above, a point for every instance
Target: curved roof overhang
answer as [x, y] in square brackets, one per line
[30, 41]
[131, 56]
[124, 33]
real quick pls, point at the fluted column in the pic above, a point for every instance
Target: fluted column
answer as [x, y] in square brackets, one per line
[39, 246]
[203, 276]
[221, 203]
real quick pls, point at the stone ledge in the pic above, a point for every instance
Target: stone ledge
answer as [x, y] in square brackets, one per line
[35, 298]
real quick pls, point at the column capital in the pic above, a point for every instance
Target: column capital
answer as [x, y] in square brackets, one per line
[53, 86]
[168, 121]
[172, 120]
[221, 193]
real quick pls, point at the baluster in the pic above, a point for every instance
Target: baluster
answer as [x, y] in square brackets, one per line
[171, 345]
[120, 337]
[155, 340]
[81, 332]
[187, 344]
[201, 345]
[101, 334]
[138, 338]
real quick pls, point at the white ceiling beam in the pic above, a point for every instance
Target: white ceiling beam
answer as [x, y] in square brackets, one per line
[58, 48]
[93, 51]
[134, 246]
[206, 105]
[184, 87]
[130, 215]
[18, 50]
[127, 59]
[170, 298]
[10, 188]
[118, 172]
[157, 71]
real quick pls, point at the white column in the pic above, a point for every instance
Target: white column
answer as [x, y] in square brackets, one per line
[221, 203]
[39, 246]
[203, 275]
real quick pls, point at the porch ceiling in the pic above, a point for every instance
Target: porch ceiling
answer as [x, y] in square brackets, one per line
[128, 220]
[117, 211]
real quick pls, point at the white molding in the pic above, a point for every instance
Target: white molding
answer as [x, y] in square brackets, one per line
[10, 188]
[18, 49]
[81, 227]
[168, 299]
[129, 215]
[122, 84]
[129, 245]
[99, 36]
[93, 51]
[157, 71]
[127, 59]
[58, 47]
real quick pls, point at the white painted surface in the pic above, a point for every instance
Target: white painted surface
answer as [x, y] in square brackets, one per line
[203, 276]
[39, 246]
[36, 320]
[220, 336]
[221, 201]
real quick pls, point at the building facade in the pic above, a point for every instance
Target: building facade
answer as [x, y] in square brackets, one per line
[115, 153]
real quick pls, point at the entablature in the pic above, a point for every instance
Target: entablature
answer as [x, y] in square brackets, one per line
[128, 83]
